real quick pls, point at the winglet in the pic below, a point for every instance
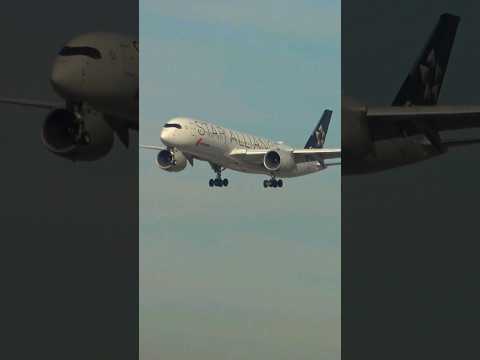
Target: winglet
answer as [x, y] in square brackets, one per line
[317, 139]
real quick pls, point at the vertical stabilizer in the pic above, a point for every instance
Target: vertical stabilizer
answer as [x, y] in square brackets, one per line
[424, 82]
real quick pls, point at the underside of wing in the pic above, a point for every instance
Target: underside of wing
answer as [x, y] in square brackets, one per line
[305, 155]
[413, 119]
[251, 156]
[32, 103]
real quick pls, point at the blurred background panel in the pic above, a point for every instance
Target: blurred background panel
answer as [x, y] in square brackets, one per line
[69, 248]
[410, 234]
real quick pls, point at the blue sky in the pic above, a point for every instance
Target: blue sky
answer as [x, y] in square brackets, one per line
[244, 272]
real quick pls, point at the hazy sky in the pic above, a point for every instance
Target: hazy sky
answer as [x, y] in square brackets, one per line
[243, 272]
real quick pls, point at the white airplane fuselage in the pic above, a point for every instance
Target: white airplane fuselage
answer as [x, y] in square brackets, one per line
[213, 143]
[100, 69]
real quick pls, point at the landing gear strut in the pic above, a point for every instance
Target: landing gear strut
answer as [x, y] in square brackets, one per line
[78, 131]
[218, 181]
[273, 183]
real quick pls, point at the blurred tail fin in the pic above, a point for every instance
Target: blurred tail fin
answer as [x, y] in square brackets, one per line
[423, 84]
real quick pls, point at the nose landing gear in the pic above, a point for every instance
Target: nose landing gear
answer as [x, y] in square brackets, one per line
[273, 183]
[79, 134]
[78, 130]
[218, 181]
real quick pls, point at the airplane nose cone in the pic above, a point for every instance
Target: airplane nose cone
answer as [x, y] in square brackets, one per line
[164, 136]
[66, 78]
[169, 137]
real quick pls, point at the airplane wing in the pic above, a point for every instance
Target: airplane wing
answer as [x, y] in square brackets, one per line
[32, 103]
[305, 155]
[441, 117]
[387, 122]
[252, 156]
[333, 164]
[300, 155]
[152, 147]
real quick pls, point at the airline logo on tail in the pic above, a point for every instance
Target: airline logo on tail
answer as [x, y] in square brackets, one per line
[423, 84]
[320, 135]
[431, 75]
[317, 139]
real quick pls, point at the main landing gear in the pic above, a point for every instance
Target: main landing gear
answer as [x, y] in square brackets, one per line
[273, 183]
[218, 181]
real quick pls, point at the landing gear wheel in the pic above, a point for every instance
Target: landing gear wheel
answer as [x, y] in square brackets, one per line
[218, 182]
[272, 183]
[211, 183]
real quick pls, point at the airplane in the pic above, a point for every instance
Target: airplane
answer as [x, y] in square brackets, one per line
[410, 130]
[96, 75]
[187, 139]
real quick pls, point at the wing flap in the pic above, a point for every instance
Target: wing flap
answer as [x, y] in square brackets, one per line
[441, 117]
[305, 155]
[252, 156]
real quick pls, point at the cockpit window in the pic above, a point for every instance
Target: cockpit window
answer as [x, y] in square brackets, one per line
[80, 50]
[173, 126]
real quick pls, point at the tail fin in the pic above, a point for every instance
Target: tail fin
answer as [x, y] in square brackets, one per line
[317, 139]
[422, 86]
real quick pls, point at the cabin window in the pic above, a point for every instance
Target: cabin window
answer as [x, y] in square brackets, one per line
[80, 50]
[173, 126]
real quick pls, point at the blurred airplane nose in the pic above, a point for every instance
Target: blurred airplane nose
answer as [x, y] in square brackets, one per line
[66, 78]
[164, 136]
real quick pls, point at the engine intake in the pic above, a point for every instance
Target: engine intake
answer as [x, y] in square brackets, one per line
[278, 161]
[171, 160]
[61, 135]
[272, 160]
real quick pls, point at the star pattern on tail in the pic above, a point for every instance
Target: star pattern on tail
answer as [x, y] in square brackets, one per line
[431, 77]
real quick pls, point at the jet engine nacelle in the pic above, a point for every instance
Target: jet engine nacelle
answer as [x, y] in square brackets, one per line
[171, 160]
[59, 135]
[278, 161]
[356, 136]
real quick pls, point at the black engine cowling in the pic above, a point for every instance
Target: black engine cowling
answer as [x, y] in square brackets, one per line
[171, 160]
[60, 135]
